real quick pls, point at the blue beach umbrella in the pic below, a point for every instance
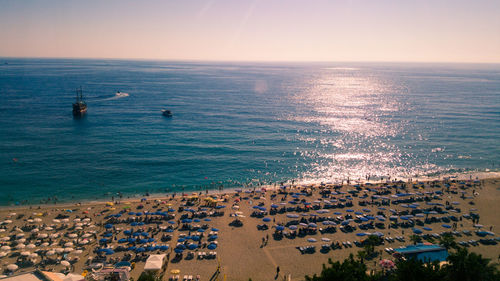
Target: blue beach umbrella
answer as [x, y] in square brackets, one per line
[215, 229]
[361, 234]
[212, 246]
[169, 230]
[163, 247]
[192, 246]
[171, 222]
[446, 225]
[123, 240]
[200, 230]
[108, 226]
[103, 240]
[131, 240]
[280, 227]
[196, 220]
[293, 227]
[427, 228]
[107, 234]
[131, 213]
[178, 251]
[127, 232]
[207, 219]
[140, 250]
[132, 248]
[133, 223]
[181, 239]
[417, 231]
[363, 219]
[266, 219]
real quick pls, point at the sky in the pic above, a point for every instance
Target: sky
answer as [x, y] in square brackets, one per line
[254, 30]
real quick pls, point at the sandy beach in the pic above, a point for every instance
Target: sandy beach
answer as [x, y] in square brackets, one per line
[78, 237]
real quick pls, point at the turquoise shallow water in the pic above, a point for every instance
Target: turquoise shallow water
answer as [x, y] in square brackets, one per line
[236, 123]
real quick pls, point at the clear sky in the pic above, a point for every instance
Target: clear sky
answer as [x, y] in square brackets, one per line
[254, 30]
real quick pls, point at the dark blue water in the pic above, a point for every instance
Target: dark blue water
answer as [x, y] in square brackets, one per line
[234, 124]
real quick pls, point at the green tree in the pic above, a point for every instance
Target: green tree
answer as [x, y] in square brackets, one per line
[470, 267]
[416, 239]
[361, 255]
[416, 270]
[148, 276]
[448, 241]
[348, 270]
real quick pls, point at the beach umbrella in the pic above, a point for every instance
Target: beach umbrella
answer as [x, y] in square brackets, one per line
[280, 228]
[377, 233]
[134, 223]
[140, 250]
[266, 219]
[196, 220]
[292, 227]
[187, 221]
[169, 230]
[178, 251]
[363, 219]
[387, 264]
[20, 246]
[127, 232]
[337, 213]
[72, 235]
[31, 246]
[293, 216]
[122, 240]
[107, 234]
[143, 241]
[446, 225]
[192, 246]
[350, 210]
[212, 246]
[50, 253]
[12, 267]
[131, 248]
[325, 239]
[215, 229]
[312, 225]
[25, 253]
[207, 219]
[426, 228]
[417, 231]
[3, 254]
[200, 230]
[108, 226]
[346, 222]
[136, 234]
[361, 234]
[68, 249]
[311, 240]
[65, 263]
[77, 252]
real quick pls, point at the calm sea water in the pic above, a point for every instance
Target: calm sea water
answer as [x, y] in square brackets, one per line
[237, 123]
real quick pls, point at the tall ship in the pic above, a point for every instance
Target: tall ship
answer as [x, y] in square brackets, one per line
[79, 107]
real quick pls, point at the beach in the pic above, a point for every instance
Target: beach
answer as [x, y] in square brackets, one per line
[295, 216]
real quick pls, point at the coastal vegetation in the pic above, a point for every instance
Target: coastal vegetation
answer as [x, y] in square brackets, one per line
[461, 265]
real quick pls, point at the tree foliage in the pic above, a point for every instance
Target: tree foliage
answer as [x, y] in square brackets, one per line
[462, 266]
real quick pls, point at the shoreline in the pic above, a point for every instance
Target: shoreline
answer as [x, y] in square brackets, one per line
[487, 175]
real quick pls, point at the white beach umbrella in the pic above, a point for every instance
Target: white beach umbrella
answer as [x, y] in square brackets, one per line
[35, 230]
[30, 221]
[20, 235]
[3, 254]
[86, 235]
[84, 242]
[25, 253]
[5, 248]
[72, 235]
[44, 244]
[56, 221]
[79, 224]
[86, 219]
[68, 249]
[34, 255]
[50, 253]
[49, 228]
[22, 240]
[54, 235]
[59, 250]
[77, 252]
[31, 246]
[78, 228]
[20, 246]
[2, 230]
[12, 214]
[38, 220]
[65, 220]
[5, 238]
[77, 220]
[65, 263]
[68, 244]
[42, 235]
[7, 221]
[12, 267]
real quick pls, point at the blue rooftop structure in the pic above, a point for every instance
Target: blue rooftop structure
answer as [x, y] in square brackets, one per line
[424, 252]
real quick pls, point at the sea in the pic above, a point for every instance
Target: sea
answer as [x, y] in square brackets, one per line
[237, 125]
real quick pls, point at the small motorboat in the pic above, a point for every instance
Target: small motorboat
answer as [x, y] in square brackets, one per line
[166, 113]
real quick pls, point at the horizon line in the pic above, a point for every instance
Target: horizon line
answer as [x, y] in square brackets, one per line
[247, 61]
